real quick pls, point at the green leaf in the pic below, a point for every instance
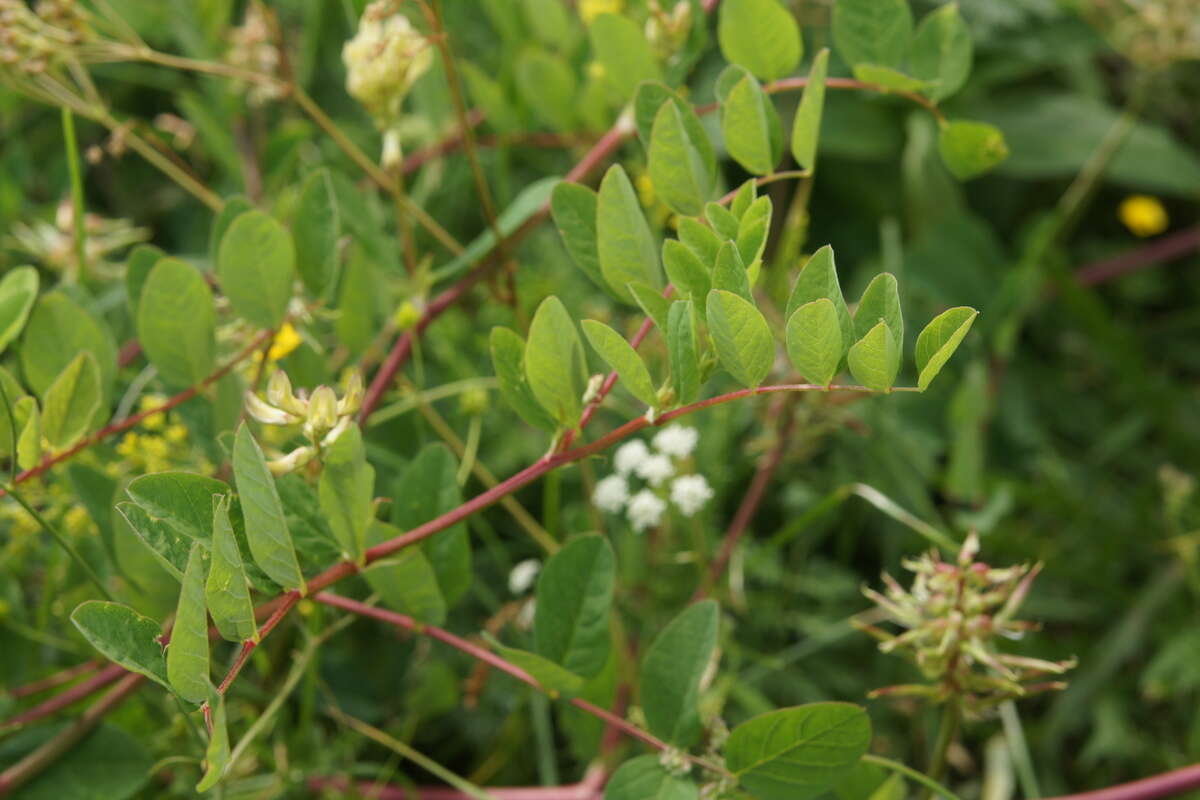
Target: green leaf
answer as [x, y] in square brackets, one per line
[872, 31]
[622, 49]
[671, 672]
[235, 206]
[574, 600]
[426, 489]
[760, 35]
[182, 500]
[18, 291]
[168, 545]
[797, 753]
[819, 279]
[255, 264]
[942, 51]
[643, 778]
[57, 331]
[970, 148]
[346, 491]
[647, 102]
[71, 402]
[652, 302]
[141, 260]
[687, 273]
[621, 356]
[880, 301]
[806, 127]
[890, 78]
[316, 227]
[106, 764]
[266, 529]
[574, 208]
[751, 127]
[730, 273]
[741, 336]
[488, 94]
[123, 636]
[875, 359]
[626, 247]
[752, 230]
[406, 581]
[682, 177]
[227, 590]
[508, 359]
[814, 341]
[547, 85]
[216, 755]
[549, 22]
[745, 195]
[29, 441]
[723, 222]
[938, 341]
[683, 351]
[530, 201]
[549, 675]
[700, 239]
[187, 653]
[176, 323]
[555, 364]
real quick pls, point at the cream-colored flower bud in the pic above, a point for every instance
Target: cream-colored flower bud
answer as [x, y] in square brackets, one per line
[384, 60]
[267, 414]
[322, 412]
[352, 399]
[280, 395]
[337, 431]
[292, 461]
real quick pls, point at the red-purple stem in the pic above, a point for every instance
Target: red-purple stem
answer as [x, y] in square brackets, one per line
[1164, 249]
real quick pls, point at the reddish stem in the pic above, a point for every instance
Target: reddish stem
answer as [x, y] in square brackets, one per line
[1164, 785]
[134, 419]
[486, 656]
[1164, 249]
[753, 498]
[110, 674]
[590, 788]
[57, 679]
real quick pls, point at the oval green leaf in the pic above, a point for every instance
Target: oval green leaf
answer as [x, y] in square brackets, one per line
[18, 291]
[806, 127]
[625, 245]
[741, 336]
[621, 356]
[176, 323]
[671, 672]
[942, 51]
[508, 360]
[574, 209]
[554, 362]
[574, 601]
[751, 127]
[872, 31]
[255, 264]
[71, 402]
[346, 491]
[969, 149]
[316, 226]
[266, 529]
[683, 351]
[621, 48]
[681, 176]
[187, 653]
[643, 778]
[938, 341]
[227, 591]
[760, 35]
[814, 341]
[875, 359]
[124, 637]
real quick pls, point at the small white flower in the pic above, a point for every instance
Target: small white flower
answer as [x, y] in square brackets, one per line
[611, 494]
[523, 575]
[676, 440]
[645, 510]
[655, 469]
[526, 614]
[629, 455]
[689, 493]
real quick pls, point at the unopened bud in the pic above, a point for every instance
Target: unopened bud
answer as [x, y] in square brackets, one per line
[322, 411]
[352, 399]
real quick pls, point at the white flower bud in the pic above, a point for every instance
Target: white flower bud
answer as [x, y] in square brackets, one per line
[258, 409]
[322, 412]
[523, 575]
[280, 395]
[292, 461]
[352, 399]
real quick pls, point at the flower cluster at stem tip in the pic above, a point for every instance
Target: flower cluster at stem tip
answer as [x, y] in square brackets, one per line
[322, 414]
[954, 614]
[645, 508]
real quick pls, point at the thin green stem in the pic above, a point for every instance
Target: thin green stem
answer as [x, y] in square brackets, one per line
[909, 772]
[164, 164]
[947, 730]
[60, 539]
[413, 755]
[1014, 734]
[77, 226]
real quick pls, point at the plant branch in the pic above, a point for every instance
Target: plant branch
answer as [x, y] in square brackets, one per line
[1164, 785]
[77, 222]
[135, 419]
[495, 661]
[1167, 248]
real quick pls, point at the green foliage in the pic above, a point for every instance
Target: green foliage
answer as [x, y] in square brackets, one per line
[554, 363]
[619, 355]
[749, 122]
[875, 358]
[255, 264]
[625, 246]
[187, 652]
[318, 231]
[176, 322]
[806, 128]
[227, 590]
[942, 50]
[760, 35]
[872, 31]
[427, 488]
[938, 341]
[346, 491]
[643, 778]
[18, 291]
[124, 637]
[797, 752]
[669, 679]
[741, 336]
[216, 755]
[407, 582]
[71, 402]
[574, 596]
[266, 529]
[622, 50]
[971, 148]
[814, 340]
[508, 360]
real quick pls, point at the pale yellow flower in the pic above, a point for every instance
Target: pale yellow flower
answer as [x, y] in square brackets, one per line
[286, 340]
[1143, 215]
[590, 9]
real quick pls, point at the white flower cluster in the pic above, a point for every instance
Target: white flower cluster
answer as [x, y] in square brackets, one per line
[384, 60]
[655, 467]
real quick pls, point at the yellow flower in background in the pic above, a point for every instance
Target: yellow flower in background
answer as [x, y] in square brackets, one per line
[285, 342]
[149, 402]
[1143, 215]
[590, 9]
